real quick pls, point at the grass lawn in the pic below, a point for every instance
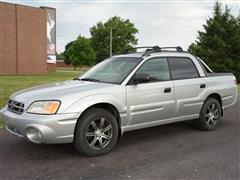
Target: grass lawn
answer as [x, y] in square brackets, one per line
[11, 84]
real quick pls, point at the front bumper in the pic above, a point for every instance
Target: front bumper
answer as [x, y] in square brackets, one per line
[57, 128]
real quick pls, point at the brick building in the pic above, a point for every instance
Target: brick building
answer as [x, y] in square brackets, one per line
[23, 40]
[61, 63]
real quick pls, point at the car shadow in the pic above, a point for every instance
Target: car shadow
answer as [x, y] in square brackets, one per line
[127, 141]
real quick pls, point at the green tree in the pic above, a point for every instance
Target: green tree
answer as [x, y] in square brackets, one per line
[123, 36]
[219, 44]
[60, 56]
[80, 52]
[67, 59]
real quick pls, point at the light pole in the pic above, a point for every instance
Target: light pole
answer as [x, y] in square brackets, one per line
[110, 43]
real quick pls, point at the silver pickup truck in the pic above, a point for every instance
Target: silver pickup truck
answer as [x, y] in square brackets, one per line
[123, 93]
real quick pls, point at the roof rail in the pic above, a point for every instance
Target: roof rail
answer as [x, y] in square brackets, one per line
[152, 49]
[148, 48]
[161, 49]
[178, 48]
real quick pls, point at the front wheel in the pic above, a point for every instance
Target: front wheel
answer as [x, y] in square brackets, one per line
[96, 132]
[210, 115]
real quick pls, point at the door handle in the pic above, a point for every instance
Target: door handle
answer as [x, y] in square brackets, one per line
[167, 90]
[202, 85]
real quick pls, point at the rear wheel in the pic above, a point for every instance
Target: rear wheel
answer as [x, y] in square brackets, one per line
[210, 115]
[96, 132]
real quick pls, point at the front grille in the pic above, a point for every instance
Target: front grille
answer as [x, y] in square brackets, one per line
[15, 106]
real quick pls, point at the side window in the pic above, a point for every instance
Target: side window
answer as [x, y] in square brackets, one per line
[156, 68]
[182, 68]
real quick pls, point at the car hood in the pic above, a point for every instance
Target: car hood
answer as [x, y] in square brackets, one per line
[69, 91]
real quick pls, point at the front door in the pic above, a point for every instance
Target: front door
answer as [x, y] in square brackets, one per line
[152, 100]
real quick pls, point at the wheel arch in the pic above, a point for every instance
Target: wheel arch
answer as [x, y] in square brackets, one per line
[107, 106]
[218, 98]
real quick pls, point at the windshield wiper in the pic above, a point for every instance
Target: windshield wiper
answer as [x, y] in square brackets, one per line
[89, 79]
[77, 79]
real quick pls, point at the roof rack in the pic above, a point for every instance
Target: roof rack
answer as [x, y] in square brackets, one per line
[152, 49]
[148, 48]
[178, 48]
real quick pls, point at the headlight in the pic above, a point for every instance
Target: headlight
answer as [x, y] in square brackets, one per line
[44, 107]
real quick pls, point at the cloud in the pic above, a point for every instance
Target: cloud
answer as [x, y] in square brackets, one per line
[165, 23]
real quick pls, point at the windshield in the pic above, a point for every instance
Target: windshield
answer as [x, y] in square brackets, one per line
[113, 70]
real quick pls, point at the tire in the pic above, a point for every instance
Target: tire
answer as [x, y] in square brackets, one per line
[96, 132]
[210, 115]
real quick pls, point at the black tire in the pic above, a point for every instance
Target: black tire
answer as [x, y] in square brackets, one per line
[96, 132]
[210, 115]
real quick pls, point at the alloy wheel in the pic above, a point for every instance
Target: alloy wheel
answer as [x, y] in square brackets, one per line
[99, 134]
[212, 114]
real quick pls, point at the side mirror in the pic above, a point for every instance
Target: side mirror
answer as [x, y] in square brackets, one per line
[141, 78]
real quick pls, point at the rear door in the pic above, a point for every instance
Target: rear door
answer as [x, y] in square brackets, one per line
[188, 84]
[152, 100]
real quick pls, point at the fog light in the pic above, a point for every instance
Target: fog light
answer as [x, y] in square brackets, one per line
[34, 135]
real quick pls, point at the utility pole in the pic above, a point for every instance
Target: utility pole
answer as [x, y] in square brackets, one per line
[110, 43]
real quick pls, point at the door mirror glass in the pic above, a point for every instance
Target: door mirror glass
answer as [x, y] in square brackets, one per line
[141, 78]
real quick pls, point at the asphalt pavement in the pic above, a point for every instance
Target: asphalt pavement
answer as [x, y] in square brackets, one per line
[175, 151]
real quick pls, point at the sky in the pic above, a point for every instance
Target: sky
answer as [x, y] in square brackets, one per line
[160, 22]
